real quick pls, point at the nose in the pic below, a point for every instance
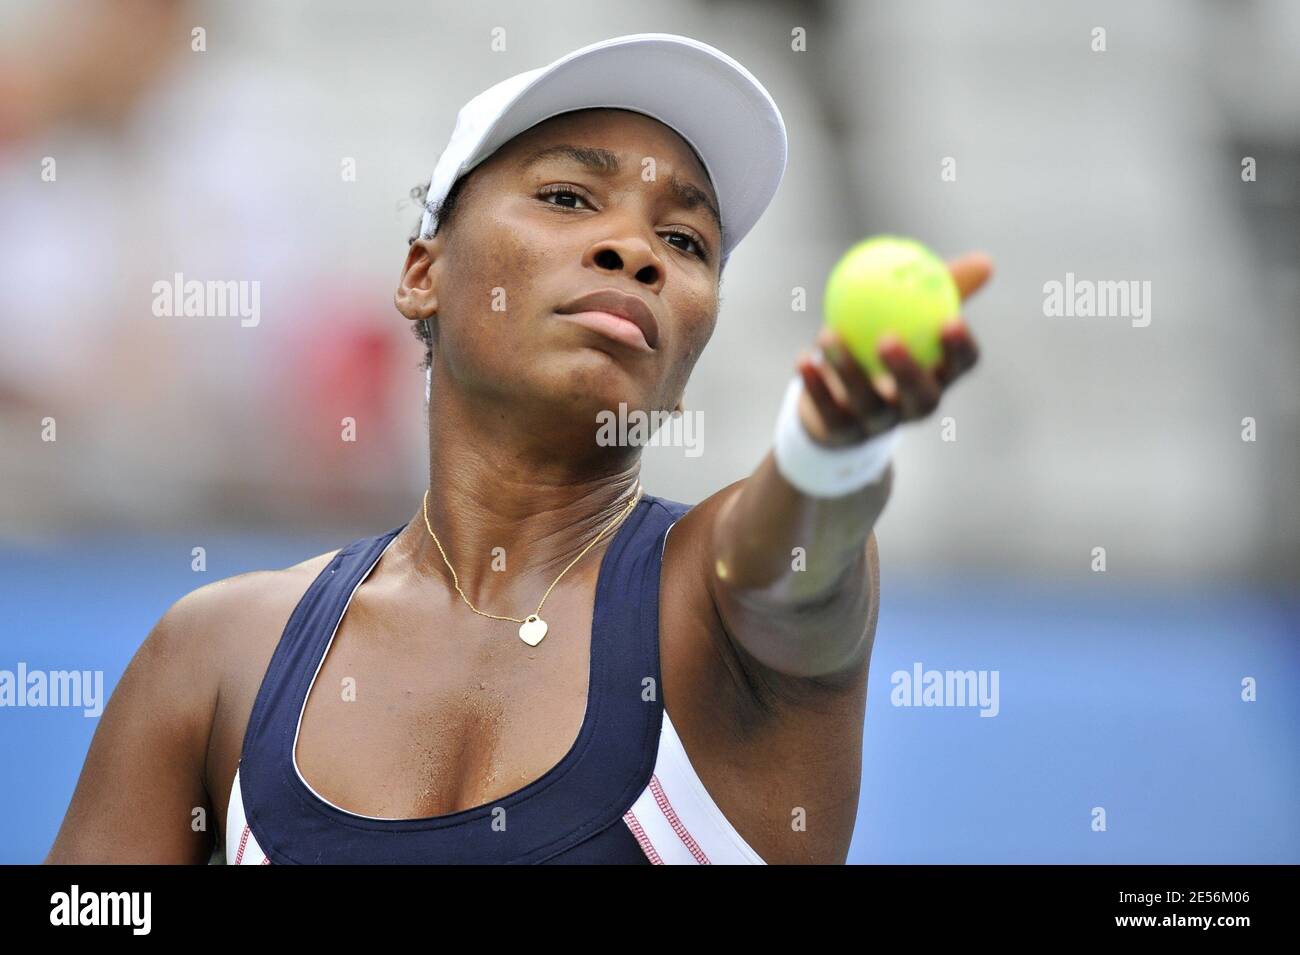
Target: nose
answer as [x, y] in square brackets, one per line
[631, 255]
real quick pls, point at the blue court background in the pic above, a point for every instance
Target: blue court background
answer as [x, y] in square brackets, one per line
[1110, 695]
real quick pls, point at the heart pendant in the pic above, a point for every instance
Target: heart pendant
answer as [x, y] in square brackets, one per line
[532, 630]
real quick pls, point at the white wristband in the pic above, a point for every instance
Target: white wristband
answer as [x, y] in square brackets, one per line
[820, 471]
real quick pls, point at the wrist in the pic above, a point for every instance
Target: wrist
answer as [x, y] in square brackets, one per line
[819, 470]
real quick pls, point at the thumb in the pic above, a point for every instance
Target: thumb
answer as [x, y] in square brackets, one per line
[970, 272]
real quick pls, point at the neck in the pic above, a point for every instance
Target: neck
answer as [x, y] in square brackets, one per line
[507, 489]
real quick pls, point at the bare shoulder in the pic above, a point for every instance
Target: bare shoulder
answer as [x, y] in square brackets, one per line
[235, 625]
[240, 620]
[232, 610]
[221, 632]
[213, 625]
[227, 630]
[146, 776]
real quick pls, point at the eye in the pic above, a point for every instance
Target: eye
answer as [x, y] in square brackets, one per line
[560, 190]
[701, 252]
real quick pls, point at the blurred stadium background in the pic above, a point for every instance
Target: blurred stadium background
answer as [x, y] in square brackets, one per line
[1119, 689]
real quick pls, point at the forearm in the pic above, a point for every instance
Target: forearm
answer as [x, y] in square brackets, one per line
[778, 547]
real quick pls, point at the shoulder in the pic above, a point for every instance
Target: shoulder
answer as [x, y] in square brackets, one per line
[207, 631]
[216, 606]
[691, 525]
[217, 641]
[147, 766]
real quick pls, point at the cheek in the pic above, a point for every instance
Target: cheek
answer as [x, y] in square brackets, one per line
[696, 331]
[511, 260]
[491, 278]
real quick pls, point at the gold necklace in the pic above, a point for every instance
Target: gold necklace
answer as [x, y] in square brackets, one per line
[533, 627]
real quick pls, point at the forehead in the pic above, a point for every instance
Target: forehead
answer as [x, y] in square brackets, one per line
[620, 130]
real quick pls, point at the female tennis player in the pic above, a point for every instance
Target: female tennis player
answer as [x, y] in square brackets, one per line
[547, 663]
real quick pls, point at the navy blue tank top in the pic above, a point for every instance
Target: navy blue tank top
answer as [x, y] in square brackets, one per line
[572, 814]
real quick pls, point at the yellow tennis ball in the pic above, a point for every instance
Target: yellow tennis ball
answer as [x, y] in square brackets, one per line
[891, 284]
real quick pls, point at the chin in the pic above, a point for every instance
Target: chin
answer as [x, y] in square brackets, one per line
[596, 380]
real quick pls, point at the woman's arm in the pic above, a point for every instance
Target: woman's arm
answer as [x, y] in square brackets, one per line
[817, 620]
[141, 795]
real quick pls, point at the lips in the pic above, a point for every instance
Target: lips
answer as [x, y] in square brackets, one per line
[619, 304]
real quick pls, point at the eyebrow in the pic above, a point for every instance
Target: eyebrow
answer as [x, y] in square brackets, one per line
[602, 162]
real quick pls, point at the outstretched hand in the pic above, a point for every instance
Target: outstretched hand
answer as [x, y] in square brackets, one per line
[841, 404]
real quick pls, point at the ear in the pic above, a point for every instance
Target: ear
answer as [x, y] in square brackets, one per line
[681, 407]
[417, 293]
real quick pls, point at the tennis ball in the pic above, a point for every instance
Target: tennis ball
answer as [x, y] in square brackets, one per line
[891, 284]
